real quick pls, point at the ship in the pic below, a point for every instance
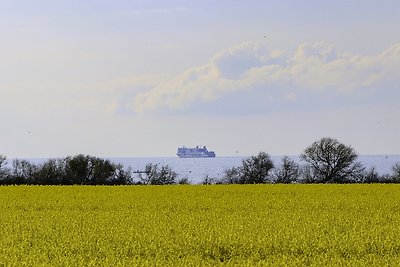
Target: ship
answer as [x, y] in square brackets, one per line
[196, 152]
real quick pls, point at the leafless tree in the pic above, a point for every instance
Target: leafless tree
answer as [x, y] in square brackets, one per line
[4, 171]
[155, 174]
[332, 162]
[288, 172]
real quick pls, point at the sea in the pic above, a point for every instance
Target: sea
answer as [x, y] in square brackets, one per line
[196, 169]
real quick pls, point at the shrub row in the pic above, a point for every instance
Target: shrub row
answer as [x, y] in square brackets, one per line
[327, 161]
[80, 169]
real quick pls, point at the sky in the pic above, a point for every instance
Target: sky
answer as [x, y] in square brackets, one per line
[141, 78]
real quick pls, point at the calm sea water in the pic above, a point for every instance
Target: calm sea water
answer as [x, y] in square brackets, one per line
[197, 168]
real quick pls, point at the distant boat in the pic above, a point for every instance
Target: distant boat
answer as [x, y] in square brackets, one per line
[196, 152]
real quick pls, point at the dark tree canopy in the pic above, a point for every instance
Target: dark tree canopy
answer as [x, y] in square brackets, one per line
[328, 161]
[158, 175]
[331, 161]
[232, 176]
[80, 169]
[23, 171]
[3, 169]
[396, 173]
[288, 172]
[255, 169]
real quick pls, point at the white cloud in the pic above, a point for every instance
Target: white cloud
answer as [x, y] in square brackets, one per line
[233, 63]
[313, 67]
[320, 51]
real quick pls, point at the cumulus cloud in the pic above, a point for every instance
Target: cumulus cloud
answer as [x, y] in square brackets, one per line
[319, 51]
[312, 68]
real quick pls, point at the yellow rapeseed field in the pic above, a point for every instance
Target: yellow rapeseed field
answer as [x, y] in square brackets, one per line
[194, 225]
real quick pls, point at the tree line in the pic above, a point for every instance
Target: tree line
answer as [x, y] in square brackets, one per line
[80, 169]
[326, 161]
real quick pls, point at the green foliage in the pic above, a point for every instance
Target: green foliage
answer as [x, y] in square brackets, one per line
[232, 225]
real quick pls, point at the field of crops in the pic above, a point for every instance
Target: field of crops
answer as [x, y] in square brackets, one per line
[193, 225]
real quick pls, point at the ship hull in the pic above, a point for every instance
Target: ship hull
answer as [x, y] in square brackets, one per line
[196, 156]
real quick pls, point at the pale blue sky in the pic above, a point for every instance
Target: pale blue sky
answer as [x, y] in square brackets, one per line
[140, 78]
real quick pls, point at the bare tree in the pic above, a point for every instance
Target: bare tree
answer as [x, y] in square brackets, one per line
[3, 170]
[396, 173]
[232, 176]
[288, 172]
[156, 175]
[184, 181]
[208, 180]
[307, 175]
[23, 171]
[332, 161]
[370, 176]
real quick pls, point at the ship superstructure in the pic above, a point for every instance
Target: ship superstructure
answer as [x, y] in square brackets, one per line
[196, 152]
